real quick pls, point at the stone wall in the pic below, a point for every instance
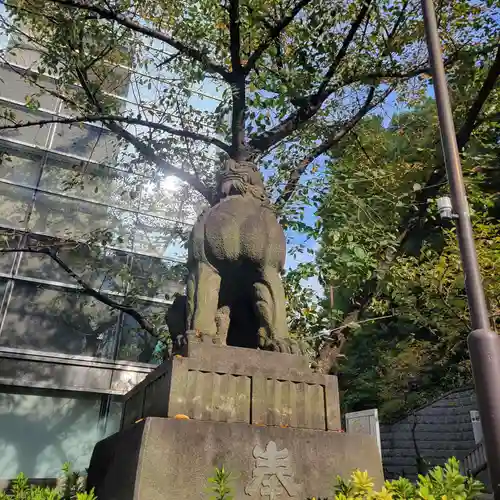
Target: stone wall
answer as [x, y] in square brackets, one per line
[440, 430]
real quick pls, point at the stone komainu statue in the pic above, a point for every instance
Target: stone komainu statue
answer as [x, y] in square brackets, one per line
[236, 253]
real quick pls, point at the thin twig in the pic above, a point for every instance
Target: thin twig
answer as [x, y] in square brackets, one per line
[144, 29]
[350, 324]
[123, 119]
[273, 34]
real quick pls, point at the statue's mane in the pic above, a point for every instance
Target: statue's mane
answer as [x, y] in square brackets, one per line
[238, 184]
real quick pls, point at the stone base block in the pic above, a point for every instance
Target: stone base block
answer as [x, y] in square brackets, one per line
[169, 459]
[234, 384]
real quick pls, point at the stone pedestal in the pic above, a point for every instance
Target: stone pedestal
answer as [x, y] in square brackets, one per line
[266, 417]
[232, 384]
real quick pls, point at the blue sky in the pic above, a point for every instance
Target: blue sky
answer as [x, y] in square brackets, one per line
[387, 110]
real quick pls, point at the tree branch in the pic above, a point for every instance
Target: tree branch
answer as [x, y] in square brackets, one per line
[127, 119]
[337, 135]
[483, 94]
[138, 27]
[238, 87]
[343, 49]
[348, 126]
[186, 142]
[417, 71]
[146, 150]
[149, 154]
[274, 33]
[492, 117]
[101, 297]
[235, 35]
[307, 110]
[314, 102]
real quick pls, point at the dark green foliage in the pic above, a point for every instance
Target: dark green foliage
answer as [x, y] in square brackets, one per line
[400, 304]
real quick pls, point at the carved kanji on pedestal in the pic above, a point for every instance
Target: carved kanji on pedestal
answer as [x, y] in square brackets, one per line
[273, 473]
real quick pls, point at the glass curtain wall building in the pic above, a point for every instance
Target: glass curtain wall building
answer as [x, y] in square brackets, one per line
[65, 357]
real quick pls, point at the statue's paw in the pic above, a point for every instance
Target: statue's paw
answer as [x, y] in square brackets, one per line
[207, 338]
[287, 346]
[298, 347]
[181, 340]
[282, 345]
[179, 344]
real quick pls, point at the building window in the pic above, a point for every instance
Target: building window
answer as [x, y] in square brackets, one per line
[51, 319]
[86, 141]
[64, 202]
[40, 430]
[158, 278]
[15, 203]
[37, 136]
[16, 87]
[137, 344]
[74, 219]
[160, 238]
[119, 223]
[91, 182]
[98, 267]
[21, 168]
[171, 199]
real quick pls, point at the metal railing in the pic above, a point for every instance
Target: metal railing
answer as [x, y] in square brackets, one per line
[475, 461]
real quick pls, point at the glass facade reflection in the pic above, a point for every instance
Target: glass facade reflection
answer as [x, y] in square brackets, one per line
[117, 227]
[61, 185]
[42, 430]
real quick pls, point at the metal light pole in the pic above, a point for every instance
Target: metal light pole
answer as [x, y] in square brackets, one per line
[484, 345]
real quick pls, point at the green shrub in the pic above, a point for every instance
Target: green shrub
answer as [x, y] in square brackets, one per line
[219, 485]
[441, 483]
[70, 486]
